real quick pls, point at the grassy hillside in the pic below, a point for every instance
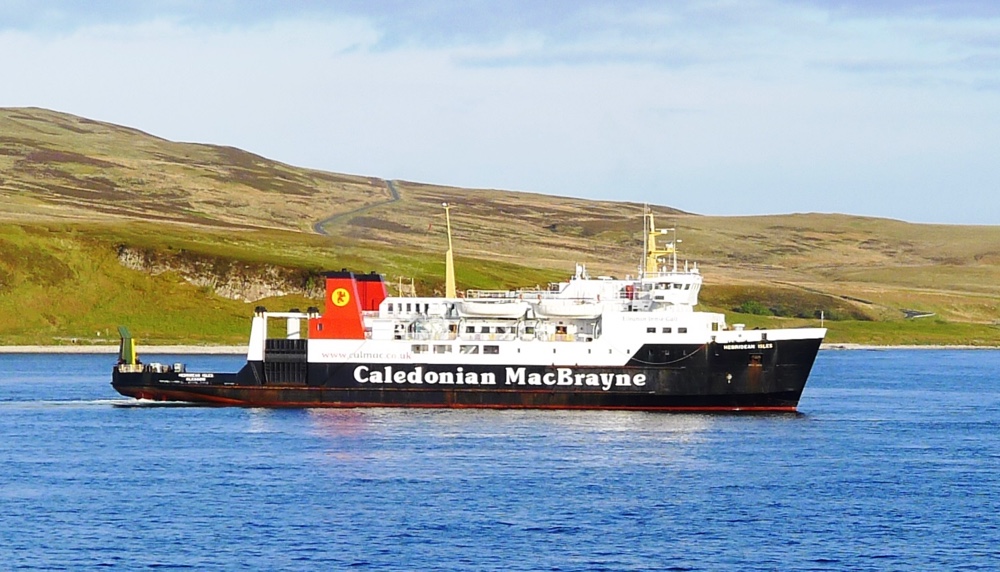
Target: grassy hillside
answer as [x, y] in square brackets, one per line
[63, 283]
[74, 192]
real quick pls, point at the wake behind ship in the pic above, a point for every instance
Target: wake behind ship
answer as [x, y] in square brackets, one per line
[586, 343]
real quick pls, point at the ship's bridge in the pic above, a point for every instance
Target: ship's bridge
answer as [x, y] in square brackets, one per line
[662, 285]
[670, 288]
[677, 289]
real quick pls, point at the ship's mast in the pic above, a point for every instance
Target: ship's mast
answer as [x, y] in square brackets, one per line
[449, 261]
[654, 253]
[645, 241]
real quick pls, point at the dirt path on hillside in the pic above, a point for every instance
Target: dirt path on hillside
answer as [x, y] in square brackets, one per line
[319, 227]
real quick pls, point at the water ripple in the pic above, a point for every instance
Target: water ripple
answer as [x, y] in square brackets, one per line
[889, 468]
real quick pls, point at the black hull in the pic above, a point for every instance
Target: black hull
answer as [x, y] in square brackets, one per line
[750, 377]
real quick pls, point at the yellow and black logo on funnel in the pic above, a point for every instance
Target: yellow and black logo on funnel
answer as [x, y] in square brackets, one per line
[340, 297]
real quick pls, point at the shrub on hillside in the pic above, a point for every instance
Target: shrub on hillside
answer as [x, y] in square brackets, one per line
[753, 307]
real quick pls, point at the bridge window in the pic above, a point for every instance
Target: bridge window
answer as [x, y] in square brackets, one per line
[667, 330]
[682, 330]
[419, 348]
[650, 330]
[442, 349]
[468, 349]
[491, 349]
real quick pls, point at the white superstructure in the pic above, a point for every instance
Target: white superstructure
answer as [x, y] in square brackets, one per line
[586, 321]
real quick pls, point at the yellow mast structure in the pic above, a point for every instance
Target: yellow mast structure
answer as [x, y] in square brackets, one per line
[654, 253]
[449, 261]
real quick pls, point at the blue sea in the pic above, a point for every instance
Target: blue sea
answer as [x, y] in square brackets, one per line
[892, 464]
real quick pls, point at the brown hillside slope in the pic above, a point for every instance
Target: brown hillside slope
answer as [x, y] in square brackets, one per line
[57, 166]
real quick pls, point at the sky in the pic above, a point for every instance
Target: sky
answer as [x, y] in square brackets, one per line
[885, 108]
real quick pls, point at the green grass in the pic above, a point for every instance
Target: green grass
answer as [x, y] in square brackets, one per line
[920, 331]
[66, 288]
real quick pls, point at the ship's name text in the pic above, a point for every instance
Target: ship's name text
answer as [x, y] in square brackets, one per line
[763, 346]
[563, 376]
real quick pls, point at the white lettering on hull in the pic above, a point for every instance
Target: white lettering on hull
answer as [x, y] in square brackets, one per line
[749, 346]
[563, 376]
[417, 376]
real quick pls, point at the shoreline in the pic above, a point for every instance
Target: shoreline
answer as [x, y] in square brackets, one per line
[850, 346]
[111, 350]
[242, 350]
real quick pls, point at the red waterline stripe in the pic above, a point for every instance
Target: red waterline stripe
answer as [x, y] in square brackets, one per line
[213, 400]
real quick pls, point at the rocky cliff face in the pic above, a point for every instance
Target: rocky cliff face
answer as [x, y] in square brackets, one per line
[231, 279]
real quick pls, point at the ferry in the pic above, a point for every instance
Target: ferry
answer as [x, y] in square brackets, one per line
[589, 342]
